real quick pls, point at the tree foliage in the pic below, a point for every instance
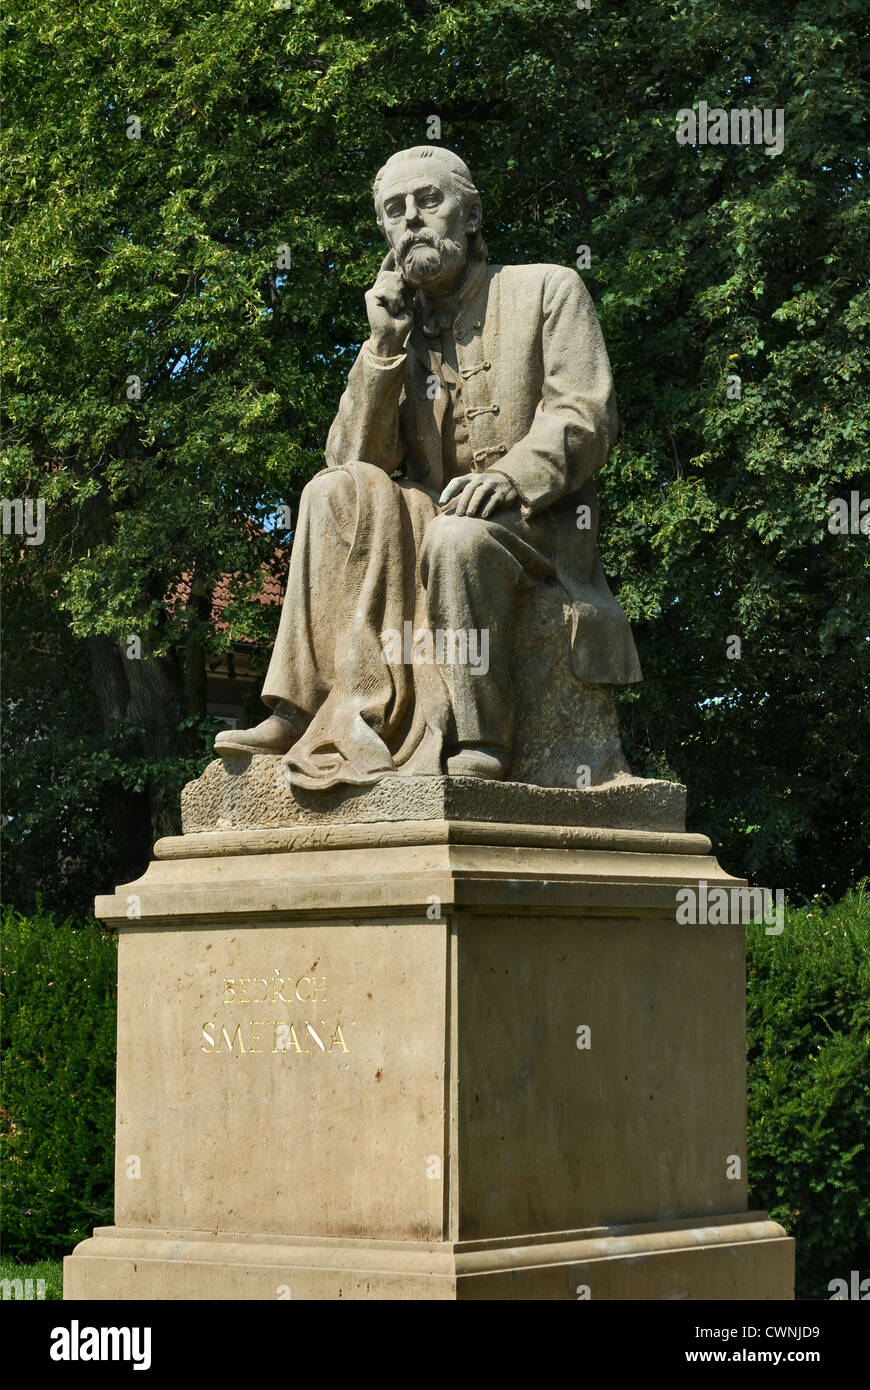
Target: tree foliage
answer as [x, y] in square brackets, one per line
[260, 128]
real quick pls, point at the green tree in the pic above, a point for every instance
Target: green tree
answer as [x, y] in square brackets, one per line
[163, 162]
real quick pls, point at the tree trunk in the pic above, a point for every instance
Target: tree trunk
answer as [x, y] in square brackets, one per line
[156, 705]
[127, 812]
[149, 692]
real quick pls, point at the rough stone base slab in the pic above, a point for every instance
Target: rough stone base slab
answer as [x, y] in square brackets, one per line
[741, 1257]
[251, 792]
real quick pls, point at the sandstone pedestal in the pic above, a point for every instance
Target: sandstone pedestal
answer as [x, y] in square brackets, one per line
[432, 1058]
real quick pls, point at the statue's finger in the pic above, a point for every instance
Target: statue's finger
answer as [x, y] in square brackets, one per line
[466, 504]
[453, 487]
[493, 503]
[391, 282]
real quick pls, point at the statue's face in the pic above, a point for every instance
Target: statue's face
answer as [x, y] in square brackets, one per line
[424, 223]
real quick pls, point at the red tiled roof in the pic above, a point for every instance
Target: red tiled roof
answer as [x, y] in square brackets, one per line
[271, 593]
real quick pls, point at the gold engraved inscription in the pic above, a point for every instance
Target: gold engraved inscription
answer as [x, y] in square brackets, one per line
[286, 1036]
[257, 990]
[303, 1036]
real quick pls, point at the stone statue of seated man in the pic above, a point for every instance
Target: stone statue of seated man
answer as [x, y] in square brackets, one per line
[489, 387]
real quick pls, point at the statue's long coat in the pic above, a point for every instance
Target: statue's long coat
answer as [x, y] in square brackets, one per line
[540, 407]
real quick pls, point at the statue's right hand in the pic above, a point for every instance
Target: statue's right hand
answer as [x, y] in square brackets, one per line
[389, 307]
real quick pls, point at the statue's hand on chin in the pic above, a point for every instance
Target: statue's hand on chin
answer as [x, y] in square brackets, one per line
[389, 305]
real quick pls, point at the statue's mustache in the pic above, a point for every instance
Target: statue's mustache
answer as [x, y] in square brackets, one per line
[419, 239]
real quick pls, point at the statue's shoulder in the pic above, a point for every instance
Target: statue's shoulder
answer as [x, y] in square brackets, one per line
[532, 278]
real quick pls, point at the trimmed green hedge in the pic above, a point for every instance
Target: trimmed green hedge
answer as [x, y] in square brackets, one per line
[808, 1033]
[808, 1037]
[58, 1082]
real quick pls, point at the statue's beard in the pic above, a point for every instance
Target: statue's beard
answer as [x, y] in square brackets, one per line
[425, 256]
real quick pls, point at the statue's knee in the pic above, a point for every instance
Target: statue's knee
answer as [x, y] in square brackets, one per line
[343, 474]
[362, 472]
[453, 536]
[321, 485]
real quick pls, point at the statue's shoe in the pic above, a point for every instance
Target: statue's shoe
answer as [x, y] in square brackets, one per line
[484, 761]
[274, 735]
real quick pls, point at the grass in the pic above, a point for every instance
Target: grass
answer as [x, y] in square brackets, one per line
[51, 1271]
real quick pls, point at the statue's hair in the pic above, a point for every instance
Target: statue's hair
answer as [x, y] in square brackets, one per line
[460, 177]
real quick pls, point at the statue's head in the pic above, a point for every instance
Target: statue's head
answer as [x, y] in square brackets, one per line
[430, 214]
